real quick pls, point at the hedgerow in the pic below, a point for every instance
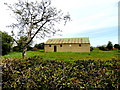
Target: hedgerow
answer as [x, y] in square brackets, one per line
[37, 73]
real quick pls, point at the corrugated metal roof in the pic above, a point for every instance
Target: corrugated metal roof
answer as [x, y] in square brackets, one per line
[67, 40]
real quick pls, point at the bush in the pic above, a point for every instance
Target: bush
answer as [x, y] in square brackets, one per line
[34, 49]
[102, 48]
[39, 46]
[91, 48]
[36, 73]
[19, 49]
[29, 48]
[117, 46]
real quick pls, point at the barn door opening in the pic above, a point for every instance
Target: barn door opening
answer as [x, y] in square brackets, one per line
[55, 48]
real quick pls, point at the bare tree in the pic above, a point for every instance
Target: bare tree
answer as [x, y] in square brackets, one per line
[36, 19]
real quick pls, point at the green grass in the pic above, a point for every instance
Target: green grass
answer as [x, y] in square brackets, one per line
[68, 56]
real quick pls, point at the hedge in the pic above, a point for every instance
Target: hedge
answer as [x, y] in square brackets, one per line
[37, 73]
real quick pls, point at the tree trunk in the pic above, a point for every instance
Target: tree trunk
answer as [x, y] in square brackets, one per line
[28, 39]
[24, 52]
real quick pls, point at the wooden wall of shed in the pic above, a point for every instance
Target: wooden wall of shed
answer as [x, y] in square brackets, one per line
[68, 48]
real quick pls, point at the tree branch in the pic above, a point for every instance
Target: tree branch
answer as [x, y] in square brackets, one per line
[36, 33]
[16, 41]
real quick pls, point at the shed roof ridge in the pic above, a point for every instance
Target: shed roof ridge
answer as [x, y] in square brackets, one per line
[67, 40]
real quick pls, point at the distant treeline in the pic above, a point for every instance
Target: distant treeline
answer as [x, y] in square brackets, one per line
[8, 45]
[109, 46]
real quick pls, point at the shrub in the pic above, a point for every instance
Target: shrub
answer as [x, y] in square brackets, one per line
[36, 73]
[117, 46]
[102, 48]
[29, 48]
[17, 49]
[91, 48]
[34, 49]
[39, 46]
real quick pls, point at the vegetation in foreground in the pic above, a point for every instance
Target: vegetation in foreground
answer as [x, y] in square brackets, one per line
[36, 73]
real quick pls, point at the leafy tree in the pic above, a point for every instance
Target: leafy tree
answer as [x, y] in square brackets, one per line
[39, 46]
[6, 42]
[91, 48]
[35, 19]
[21, 43]
[103, 47]
[117, 46]
[109, 45]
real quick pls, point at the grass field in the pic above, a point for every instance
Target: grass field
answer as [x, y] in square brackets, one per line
[68, 56]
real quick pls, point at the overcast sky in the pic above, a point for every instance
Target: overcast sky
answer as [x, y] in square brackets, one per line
[96, 19]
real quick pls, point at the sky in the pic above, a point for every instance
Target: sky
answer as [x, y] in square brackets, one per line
[96, 19]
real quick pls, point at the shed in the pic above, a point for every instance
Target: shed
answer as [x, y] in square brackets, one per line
[67, 45]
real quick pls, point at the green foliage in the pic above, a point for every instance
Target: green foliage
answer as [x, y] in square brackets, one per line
[39, 46]
[109, 45]
[17, 49]
[6, 43]
[20, 49]
[91, 48]
[103, 47]
[117, 46]
[37, 73]
[21, 43]
[29, 48]
[34, 49]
